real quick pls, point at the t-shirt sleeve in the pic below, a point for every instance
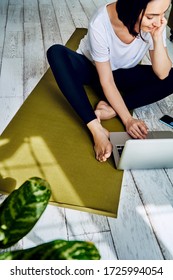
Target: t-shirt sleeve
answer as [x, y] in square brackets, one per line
[151, 47]
[98, 44]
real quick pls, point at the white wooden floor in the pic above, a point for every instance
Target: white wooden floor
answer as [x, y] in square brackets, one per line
[144, 227]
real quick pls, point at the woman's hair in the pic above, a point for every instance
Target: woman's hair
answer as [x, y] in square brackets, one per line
[129, 12]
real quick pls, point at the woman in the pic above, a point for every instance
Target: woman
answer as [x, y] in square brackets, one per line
[119, 35]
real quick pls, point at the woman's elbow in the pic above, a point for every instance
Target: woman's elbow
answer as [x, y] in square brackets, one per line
[163, 75]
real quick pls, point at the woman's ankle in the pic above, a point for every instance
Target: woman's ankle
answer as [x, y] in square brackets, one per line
[95, 126]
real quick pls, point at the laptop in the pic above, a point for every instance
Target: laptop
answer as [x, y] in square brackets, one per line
[156, 151]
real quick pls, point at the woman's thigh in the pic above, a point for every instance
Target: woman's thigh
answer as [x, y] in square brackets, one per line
[136, 77]
[140, 86]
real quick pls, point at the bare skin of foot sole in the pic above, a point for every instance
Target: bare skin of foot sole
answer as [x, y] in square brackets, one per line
[104, 111]
[102, 145]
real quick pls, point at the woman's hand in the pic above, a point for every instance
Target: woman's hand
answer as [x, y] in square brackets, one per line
[136, 128]
[157, 31]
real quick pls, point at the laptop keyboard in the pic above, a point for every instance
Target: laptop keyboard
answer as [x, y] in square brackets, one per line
[120, 149]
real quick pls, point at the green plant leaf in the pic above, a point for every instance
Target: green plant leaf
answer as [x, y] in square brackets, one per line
[22, 209]
[56, 250]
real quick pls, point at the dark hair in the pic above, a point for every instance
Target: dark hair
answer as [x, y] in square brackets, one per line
[129, 11]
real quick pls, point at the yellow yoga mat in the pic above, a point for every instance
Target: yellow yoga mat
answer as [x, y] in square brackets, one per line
[46, 138]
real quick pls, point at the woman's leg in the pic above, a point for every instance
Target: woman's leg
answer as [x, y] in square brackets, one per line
[72, 71]
[140, 86]
[104, 111]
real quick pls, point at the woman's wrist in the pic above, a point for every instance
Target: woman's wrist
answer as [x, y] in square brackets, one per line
[126, 119]
[158, 40]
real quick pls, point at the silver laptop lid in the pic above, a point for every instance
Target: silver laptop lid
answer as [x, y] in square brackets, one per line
[147, 154]
[142, 154]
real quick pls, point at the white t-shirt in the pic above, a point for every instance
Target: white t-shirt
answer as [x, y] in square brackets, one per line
[101, 43]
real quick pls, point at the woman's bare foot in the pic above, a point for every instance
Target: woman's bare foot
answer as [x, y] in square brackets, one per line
[102, 145]
[104, 111]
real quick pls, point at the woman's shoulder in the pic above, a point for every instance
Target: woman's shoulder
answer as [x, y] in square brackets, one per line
[99, 17]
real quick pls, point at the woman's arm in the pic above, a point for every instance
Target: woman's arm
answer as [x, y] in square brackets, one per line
[160, 60]
[136, 128]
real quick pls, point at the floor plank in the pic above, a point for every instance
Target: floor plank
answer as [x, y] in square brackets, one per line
[89, 7]
[132, 231]
[8, 108]
[77, 13]
[81, 223]
[158, 204]
[3, 21]
[51, 226]
[64, 19]
[33, 42]
[50, 28]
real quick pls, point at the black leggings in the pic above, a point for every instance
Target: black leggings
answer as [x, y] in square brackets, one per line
[139, 85]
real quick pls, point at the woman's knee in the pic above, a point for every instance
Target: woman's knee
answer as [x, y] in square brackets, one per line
[55, 51]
